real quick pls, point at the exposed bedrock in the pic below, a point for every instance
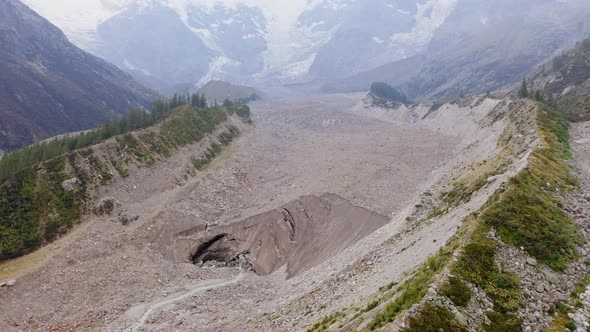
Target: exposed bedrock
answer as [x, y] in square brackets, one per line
[300, 235]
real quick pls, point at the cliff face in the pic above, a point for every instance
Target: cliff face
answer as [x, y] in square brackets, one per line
[49, 86]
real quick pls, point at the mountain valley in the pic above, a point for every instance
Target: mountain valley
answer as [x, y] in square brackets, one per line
[311, 165]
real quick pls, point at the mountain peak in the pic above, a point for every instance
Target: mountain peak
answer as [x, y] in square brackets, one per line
[49, 86]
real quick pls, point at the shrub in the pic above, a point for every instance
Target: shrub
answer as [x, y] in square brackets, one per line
[504, 289]
[372, 305]
[477, 262]
[570, 325]
[503, 323]
[413, 290]
[456, 291]
[434, 319]
[325, 323]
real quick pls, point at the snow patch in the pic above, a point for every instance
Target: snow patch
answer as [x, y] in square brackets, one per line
[216, 67]
[300, 68]
[130, 66]
[429, 17]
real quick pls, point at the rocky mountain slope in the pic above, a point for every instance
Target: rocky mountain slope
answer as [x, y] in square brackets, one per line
[48, 86]
[395, 74]
[565, 81]
[484, 46]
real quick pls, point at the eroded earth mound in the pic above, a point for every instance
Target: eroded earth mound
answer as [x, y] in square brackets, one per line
[299, 234]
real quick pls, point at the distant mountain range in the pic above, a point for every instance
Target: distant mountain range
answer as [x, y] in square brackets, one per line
[482, 46]
[48, 86]
[164, 43]
[432, 48]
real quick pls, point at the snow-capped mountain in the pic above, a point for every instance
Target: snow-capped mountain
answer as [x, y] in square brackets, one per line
[164, 43]
[169, 42]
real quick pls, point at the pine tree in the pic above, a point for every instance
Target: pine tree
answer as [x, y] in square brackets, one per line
[107, 130]
[523, 92]
[195, 100]
[203, 101]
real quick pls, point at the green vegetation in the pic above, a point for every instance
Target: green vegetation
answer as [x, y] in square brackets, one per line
[35, 209]
[325, 323]
[30, 196]
[215, 149]
[528, 213]
[503, 323]
[571, 325]
[372, 305]
[434, 319]
[477, 265]
[386, 91]
[456, 291]
[525, 214]
[136, 119]
[34, 154]
[413, 290]
[462, 190]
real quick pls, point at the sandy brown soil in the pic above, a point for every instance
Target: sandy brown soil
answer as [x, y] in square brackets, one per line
[140, 276]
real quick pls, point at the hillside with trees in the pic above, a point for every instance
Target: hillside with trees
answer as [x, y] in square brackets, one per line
[45, 188]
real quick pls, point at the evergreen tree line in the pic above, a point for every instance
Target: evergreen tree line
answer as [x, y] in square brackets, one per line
[197, 100]
[137, 118]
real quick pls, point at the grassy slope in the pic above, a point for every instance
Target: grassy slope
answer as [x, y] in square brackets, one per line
[527, 214]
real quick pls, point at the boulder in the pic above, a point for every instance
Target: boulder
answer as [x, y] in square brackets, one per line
[531, 317]
[461, 318]
[70, 185]
[11, 283]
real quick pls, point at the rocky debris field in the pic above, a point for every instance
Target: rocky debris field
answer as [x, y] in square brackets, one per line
[141, 275]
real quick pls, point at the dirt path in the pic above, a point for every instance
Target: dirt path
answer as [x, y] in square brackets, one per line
[205, 286]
